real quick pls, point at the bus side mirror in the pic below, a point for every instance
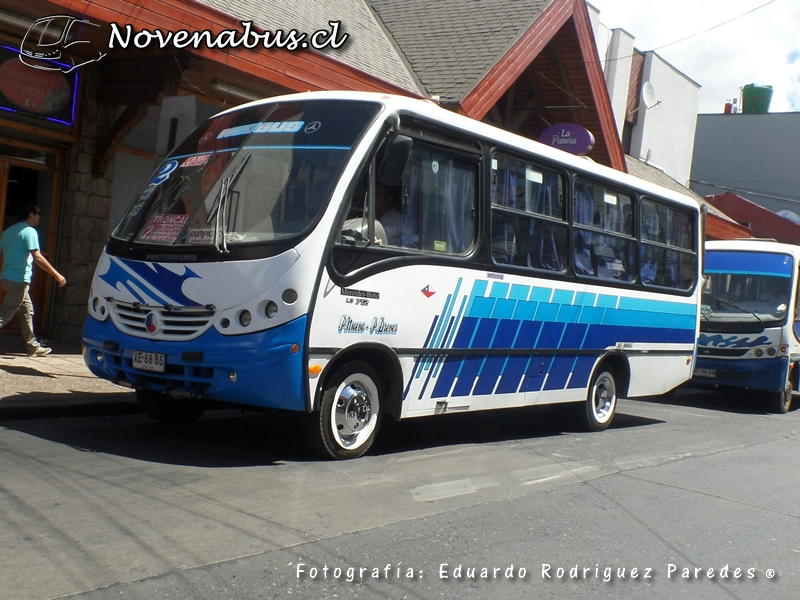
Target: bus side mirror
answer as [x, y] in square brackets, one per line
[393, 162]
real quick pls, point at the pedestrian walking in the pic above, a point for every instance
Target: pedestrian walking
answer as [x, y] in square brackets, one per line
[19, 249]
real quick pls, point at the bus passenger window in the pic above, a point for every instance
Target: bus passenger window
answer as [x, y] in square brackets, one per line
[666, 254]
[603, 240]
[528, 227]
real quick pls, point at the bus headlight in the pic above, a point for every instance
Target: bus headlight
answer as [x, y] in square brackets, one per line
[771, 351]
[245, 318]
[759, 352]
[271, 309]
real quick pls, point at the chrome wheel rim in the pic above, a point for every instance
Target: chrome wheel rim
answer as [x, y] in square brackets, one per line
[604, 397]
[355, 411]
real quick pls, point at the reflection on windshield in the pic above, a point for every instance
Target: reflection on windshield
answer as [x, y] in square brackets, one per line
[260, 174]
[737, 296]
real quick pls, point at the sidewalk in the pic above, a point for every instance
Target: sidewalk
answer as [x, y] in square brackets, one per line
[56, 385]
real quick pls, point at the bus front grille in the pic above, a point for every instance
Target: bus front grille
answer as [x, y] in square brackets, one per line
[159, 322]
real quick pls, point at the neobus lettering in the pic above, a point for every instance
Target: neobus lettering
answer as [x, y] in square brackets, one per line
[268, 127]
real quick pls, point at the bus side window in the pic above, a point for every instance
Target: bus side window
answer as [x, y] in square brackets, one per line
[528, 227]
[440, 201]
[584, 215]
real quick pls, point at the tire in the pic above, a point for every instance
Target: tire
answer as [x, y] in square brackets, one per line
[601, 402]
[781, 402]
[169, 411]
[349, 417]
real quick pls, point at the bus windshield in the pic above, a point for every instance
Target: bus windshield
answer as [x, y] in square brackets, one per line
[256, 175]
[758, 293]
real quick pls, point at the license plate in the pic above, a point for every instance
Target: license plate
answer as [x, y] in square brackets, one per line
[705, 373]
[149, 361]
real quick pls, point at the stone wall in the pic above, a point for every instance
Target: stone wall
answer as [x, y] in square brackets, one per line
[84, 213]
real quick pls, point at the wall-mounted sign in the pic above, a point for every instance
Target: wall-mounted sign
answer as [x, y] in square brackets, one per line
[570, 137]
[37, 92]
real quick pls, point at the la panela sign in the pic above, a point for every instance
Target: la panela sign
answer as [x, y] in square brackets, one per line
[569, 137]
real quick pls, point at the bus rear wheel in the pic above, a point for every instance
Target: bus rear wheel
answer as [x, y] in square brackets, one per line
[170, 411]
[601, 403]
[350, 413]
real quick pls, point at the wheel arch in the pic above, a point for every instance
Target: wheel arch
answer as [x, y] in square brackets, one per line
[622, 369]
[381, 358]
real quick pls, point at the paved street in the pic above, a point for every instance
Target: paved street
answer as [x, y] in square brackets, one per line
[103, 505]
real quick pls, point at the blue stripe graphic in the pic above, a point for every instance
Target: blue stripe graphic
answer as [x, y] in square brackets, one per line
[497, 315]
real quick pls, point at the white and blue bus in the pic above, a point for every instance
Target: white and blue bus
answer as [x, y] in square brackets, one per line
[347, 256]
[747, 329]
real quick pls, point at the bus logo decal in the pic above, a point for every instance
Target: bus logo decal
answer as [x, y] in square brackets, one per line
[349, 325]
[160, 283]
[151, 323]
[428, 291]
[734, 341]
[381, 326]
[360, 294]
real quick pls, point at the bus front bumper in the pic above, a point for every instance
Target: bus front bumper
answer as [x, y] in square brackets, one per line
[760, 374]
[263, 369]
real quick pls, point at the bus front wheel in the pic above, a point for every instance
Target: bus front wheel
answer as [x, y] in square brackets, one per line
[781, 401]
[350, 413]
[601, 403]
[170, 411]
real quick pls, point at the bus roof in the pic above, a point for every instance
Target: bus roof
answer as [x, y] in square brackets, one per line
[431, 110]
[754, 245]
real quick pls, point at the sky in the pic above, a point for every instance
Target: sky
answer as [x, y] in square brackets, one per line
[761, 47]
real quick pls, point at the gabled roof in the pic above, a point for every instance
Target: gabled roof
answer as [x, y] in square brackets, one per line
[366, 48]
[520, 64]
[452, 44]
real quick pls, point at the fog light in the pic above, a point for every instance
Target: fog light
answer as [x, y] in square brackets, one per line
[225, 323]
[289, 296]
[99, 357]
[772, 351]
[245, 318]
[759, 352]
[232, 376]
[95, 304]
[271, 309]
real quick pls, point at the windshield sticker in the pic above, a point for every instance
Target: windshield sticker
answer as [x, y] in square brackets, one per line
[200, 236]
[164, 172]
[197, 160]
[163, 228]
[268, 127]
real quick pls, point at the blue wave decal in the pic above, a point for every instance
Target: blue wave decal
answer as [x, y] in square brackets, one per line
[720, 341]
[168, 283]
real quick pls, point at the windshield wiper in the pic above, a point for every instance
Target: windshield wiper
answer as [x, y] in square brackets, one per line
[736, 306]
[217, 211]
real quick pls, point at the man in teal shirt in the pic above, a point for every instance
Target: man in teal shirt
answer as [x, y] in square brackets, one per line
[19, 249]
